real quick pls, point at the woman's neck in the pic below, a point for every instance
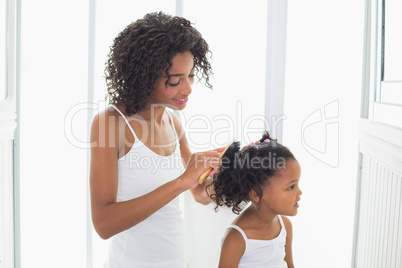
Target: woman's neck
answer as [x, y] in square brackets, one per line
[154, 114]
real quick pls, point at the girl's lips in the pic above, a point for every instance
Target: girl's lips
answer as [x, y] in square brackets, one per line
[181, 101]
[297, 203]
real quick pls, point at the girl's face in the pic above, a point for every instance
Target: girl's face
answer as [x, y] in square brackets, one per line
[282, 194]
[175, 93]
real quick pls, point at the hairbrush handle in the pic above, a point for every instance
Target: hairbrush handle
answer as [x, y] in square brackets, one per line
[204, 175]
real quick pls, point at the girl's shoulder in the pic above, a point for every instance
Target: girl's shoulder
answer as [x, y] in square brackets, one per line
[286, 222]
[234, 241]
[233, 248]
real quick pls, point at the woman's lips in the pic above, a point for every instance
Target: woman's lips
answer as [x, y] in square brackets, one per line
[181, 101]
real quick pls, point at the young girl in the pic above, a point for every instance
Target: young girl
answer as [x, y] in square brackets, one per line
[266, 175]
[140, 150]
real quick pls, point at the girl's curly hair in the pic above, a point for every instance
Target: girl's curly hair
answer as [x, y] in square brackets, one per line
[250, 168]
[144, 49]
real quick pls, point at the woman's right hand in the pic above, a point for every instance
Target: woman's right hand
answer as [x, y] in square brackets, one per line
[198, 163]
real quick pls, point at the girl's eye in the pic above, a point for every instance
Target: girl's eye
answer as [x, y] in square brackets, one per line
[291, 187]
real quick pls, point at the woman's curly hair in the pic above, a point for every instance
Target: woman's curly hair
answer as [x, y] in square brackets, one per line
[144, 49]
[247, 169]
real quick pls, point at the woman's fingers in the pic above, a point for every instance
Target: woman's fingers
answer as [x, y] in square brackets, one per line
[214, 160]
[209, 159]
[201, 162]
[213, 171]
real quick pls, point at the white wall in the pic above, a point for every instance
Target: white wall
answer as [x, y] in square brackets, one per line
[53, 176]
[323, 69]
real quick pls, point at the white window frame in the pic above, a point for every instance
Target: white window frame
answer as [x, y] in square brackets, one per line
[379, 111]
[276, 58]
[9, 217]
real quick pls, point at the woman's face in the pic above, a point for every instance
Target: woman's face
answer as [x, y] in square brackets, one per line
[175, 93]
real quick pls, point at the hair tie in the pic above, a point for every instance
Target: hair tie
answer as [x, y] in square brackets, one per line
[266, 140]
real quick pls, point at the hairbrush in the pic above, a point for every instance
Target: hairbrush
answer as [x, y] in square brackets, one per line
[204, 175]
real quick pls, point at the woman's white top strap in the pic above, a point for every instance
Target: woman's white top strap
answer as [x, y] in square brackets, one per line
[125, 119]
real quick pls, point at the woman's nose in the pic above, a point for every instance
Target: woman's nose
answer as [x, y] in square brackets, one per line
[186, 87]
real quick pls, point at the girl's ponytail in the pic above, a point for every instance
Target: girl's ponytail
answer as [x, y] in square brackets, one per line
[245, 170]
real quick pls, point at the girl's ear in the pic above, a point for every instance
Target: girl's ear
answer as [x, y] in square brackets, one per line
[254, 196]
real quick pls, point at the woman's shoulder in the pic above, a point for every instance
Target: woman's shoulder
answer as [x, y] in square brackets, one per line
[108, 114]
[176, 122]
[175, 117]
[106, 121]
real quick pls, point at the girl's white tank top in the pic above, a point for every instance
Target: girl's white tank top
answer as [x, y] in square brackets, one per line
[159, 240]
[264, 253]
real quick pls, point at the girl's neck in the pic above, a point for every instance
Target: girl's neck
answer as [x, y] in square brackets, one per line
[259, 225]
[254, 214]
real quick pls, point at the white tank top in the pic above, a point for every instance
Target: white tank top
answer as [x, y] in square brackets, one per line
[264, 253]
[159, 240]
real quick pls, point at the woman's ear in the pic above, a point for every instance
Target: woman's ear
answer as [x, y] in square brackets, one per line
[254, 196]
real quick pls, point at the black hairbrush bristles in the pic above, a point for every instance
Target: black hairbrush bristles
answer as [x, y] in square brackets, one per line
[229, 156]
[234, 145]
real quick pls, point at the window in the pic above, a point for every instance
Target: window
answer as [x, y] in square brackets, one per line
[8, 43]
[386, 86]
[3, 92]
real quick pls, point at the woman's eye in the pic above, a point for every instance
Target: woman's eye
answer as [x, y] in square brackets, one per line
[173, 82]
[173, 85]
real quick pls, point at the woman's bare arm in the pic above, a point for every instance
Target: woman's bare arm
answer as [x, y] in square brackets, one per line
[110, 217]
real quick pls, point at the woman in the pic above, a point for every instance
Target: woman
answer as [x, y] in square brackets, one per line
[141, 152]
